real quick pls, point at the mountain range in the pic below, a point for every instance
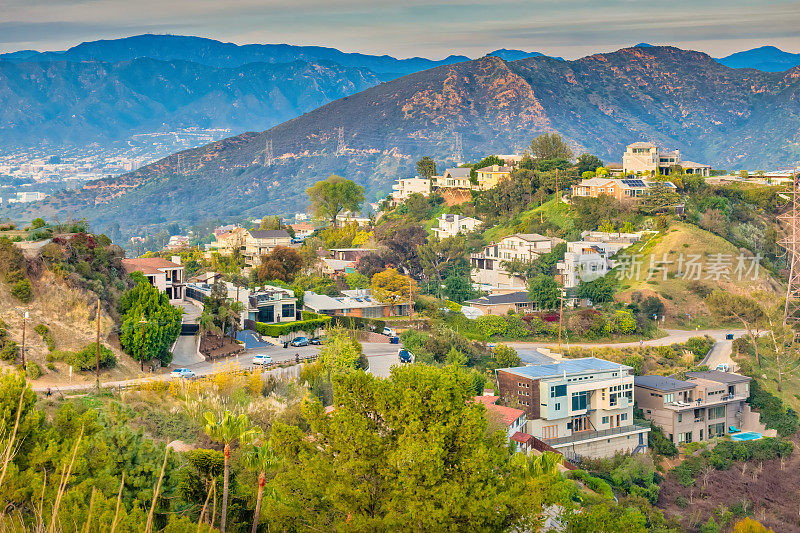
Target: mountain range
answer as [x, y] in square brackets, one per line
[107, 90]
[680, 99]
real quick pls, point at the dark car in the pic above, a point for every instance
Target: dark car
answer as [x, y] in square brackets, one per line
[317, 341]
[299, 341]
[405, 356]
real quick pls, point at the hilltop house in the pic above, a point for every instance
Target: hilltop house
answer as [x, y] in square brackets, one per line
[621, 189]
[501, 304]
[166, 276]
[487, 266]
[453, 178]
[405, 187]
[644, 158]
[490, 176]
[702, 407]
[302, 229]
[268, 304]
[451, 225]
[580, 407]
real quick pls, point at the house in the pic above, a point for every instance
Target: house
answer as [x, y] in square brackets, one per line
[702, 407]
[405, 187]
[487, 266]
[176, 242]
[644, 158]
[228, 241]
[587, 261]
[262, 242]
[490, 176]
[351, 254]
[268, 304]
[513, 419]
[302, 229]
[621, 189]
[336, 267]
[453, 178]
[166, 276]
[605, 236]
[348, 217]
[501, 304]
[358, 303]
[451, 225]
[580, 407]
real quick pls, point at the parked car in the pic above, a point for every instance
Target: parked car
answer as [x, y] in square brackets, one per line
[317, 341]
[405, 356]
[299, 341]
[723, 367]
[182, 373]
[262, 359]
[389, 332]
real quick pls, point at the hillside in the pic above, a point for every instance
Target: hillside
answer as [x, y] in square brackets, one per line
[766, 58]
[680, 99]
[64, 102]
[214, 53]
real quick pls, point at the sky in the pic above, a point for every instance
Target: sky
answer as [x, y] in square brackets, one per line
[405, 28]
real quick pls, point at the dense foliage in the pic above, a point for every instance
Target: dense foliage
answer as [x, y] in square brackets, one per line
[150, 324]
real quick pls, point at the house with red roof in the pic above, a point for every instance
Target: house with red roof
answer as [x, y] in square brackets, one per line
[513, 419]
[164, 275]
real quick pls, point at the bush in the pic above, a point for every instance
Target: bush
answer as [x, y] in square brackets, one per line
[306, 326]
[86, 358]
[51, 366]
[774, 414]
[594, 483]
[681, 502]
[355, 322]
[47, 337]
[33, 370]
[22, 291]
[9, 351]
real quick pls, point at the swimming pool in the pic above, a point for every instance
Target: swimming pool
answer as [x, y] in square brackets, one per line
[749, 435]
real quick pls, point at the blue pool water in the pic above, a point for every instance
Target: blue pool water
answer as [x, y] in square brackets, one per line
[750, 435]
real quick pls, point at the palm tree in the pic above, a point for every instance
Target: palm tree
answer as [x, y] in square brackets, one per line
[260, 458]
[207, 324]
[236, 309]
[227, 429]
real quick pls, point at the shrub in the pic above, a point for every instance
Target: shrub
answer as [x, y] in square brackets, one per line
[47, 337]
[350, 322]
[306, 326]
[22, 291]
[594, 483]
[51, 366]
[86, 358]
[33, 370]
[774, 414]
[681, 502]
[9, 351]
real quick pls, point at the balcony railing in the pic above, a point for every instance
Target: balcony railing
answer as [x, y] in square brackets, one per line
[582, 436]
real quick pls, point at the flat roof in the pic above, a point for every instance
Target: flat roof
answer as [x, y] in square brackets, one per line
[720, 377]
[662, 383]
[568, 366]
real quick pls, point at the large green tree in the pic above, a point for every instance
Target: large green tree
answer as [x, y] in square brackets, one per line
[150, 324]
[544, 292]
[330, 196]
[549, 146]
[426, 167]
[408, 453]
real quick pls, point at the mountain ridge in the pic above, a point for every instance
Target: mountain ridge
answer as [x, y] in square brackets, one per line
[678, 99]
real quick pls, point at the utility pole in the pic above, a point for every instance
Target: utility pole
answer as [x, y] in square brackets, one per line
[791, 242]
[556, 187]
[97, 361]
[560, 318]
[24, 318]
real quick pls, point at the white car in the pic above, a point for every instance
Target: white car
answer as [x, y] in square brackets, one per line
[723, 367]
[389, 332]
[262, 359]
[182, 373]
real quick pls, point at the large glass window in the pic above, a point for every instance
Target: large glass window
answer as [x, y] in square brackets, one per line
[558, 390]
[287, 311]
[578, 401]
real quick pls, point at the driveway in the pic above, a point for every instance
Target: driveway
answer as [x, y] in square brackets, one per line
[185, 352]
[251, 340]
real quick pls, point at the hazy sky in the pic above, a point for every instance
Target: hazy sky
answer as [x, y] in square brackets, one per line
[432, 28]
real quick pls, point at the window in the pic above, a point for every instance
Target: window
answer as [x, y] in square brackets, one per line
[605, 420]
[579, 401]
[669, 398]
[716, 412]
[680, 417]
[623, 416]
[558, 390]
[288, 311]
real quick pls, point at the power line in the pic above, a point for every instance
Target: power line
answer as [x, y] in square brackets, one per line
[340, 146]
[458, 150]
[791, 242]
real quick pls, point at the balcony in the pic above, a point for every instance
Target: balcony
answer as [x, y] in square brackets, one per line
[583, 436]
[705, 402]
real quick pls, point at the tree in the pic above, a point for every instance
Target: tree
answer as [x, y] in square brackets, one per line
[227, 430]
[660, 197]
[150, 324]
[282, 264]
[436, 255]
[356, 280]
[784, 343]
[392, 288]
[506, 356]
[330, 196]
[408, 453]
[747, 311]
[588, 163]
[426, 167]
[458, 288]
[341, 352]
[262, 459]
[544, 292]
[652, 306]
[748, 525]
[402, 239]
[599, 290]
[550, 146]
[371, 264]
[37, 223]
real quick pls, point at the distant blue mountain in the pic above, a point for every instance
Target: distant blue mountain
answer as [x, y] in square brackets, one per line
[643, 45]
[514, 55]
[217, 54]
[765, 58]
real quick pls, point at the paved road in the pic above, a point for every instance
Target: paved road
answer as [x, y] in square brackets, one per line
[381, 353]
[185, 352]
[673, 336]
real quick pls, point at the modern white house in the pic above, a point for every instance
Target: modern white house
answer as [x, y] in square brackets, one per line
[166, 276]
[487, 268]
[405, 187]
[451, 225]
[580, 407]
[267, 304]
